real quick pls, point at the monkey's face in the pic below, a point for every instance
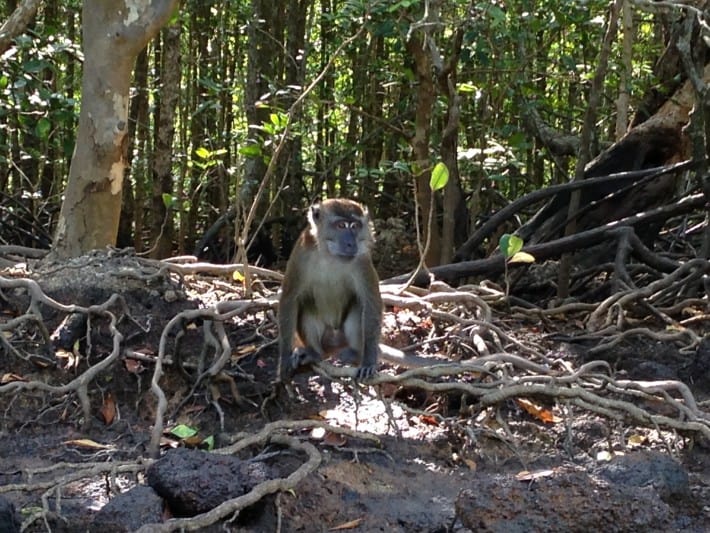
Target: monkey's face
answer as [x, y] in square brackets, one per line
[342, 238]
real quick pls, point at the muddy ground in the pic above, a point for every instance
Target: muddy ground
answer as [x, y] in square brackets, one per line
[432, 462]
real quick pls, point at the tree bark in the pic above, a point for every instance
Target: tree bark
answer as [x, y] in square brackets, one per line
[425, 98]
[17, 23]
[162, 227]
[114, 32]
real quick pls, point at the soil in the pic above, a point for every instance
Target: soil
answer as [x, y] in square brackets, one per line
[433, 462]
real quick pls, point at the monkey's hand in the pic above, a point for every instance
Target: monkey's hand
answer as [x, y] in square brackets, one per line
[290, 363]
[351, 357]
[365, 372]
[304, 357]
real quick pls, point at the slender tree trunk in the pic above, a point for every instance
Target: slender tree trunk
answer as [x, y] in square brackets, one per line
[130, 228]
[425, 98]
[163, 227]
[453, 195]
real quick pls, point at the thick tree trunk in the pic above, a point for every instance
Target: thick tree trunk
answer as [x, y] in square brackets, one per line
[114, 33]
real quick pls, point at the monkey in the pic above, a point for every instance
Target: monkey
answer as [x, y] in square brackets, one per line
[330, 300]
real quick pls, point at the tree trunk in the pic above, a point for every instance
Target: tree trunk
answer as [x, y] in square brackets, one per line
[425, 98]
[114, 33]
[453, 227]
[163, 228]
[130, 226]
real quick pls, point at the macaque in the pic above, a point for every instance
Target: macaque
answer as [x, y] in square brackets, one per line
[330, 298]
[330, 301]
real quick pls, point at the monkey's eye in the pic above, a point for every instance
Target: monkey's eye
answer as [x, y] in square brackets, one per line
[342, 224]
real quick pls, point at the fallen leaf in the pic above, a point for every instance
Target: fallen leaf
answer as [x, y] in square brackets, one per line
[388, 390]
[246, 349]
[10, 377]
[539, 412]
[334, 439]
[108, 410]
[192, 442]
[347, 525]
[430, 420]
[636, 440]
[133, 366]
[470, 463]
[183, 431]
[88, 443]
[604, 456]
[526, 475]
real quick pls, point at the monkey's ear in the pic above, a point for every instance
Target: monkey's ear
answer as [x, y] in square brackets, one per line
[314, 213]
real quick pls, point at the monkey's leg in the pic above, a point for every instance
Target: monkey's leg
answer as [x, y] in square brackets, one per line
[353, 353]
[310, 331]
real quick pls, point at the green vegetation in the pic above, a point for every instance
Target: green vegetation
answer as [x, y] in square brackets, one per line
[395, 89]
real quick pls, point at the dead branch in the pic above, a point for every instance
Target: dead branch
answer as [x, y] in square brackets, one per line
[495, 265]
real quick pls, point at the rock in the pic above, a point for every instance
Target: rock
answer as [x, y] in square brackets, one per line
[649, 469]
[129, 511]
[566, 499]
[8, 517]
[193, 481]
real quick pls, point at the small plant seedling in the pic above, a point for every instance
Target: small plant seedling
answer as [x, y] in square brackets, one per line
[511, 246]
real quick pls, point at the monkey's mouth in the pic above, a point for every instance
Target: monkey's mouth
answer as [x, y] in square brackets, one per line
[346, 256]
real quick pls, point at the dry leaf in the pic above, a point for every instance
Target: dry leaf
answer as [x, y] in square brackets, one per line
[246, 349]
[88, 443]
[526, 475]
[347, 525]
[539, 412]
[636, 440]
[133, 366]
[193, 442]
[604, 456]
[334, 439]
[470, 463]
[388, 390]
[430, 420]
[10, 377]
[108, 410]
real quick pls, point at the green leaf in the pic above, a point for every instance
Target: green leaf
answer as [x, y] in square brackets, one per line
[203, 153]
[439, 176]
[467, 88]
[250, 150]
[279, 120]
[168, 200]
[43, 128]
[208, 443]
[35, 65]
[510, 245]
[183, 432]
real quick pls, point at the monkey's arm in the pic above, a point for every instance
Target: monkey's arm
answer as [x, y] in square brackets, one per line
[371, 322]
[288, 321]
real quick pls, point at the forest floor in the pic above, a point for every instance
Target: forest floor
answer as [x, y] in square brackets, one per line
[393, 456]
